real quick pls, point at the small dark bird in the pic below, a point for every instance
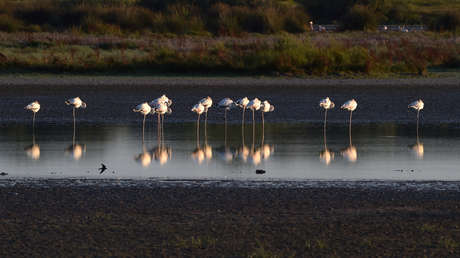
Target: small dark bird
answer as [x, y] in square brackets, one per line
[102, 168]
[260, 171]
[3, 174]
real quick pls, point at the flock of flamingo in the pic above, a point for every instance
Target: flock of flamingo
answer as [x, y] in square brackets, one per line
[162, 106]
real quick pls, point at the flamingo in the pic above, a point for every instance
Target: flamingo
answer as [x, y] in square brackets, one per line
[417, 105]
[227, 104]
[207, 103]
[350, 105]
[163, 99]
[254, 105]
[198, 109]
[34, 107]
[243, 103]
[265, 107]
[144, 109]
[75, 103]
[326, 104]
[161, 108]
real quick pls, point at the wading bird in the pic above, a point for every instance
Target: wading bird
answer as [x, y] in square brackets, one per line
[144, 109]
[326, 104]
[243, 103]
[34, 107]
[417, 105]
[254, 105]
[350, 106]
[266, 107]
[227, 104]
[75, 103]
[207, 103]
[161, 109]
[198, 109]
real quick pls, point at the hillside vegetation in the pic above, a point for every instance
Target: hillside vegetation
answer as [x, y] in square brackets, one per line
[220, 17]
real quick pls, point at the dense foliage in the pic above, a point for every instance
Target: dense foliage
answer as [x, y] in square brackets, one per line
[318, 54]
[220, 17]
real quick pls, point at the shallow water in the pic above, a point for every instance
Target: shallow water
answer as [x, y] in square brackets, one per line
[288, 152]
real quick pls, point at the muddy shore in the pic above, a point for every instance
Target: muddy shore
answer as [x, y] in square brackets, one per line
[111, 99]
[56, 220]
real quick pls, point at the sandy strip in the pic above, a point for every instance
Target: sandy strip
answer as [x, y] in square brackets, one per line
[51, 80]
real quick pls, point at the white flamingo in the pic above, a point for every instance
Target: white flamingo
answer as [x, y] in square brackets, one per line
[198, 109]
[243, 103]
[351, 106]
[265, 107]
[75, 103]
[144, 109]
[254, 105]
[227, 104]
[326, 104]
[207, 103]
[161, 108]
[417, 105]
[34, 107]
[162, 100]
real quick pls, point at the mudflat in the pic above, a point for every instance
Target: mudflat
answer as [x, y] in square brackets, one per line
[135, 220]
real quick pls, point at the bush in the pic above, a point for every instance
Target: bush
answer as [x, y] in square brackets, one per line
[9, 24]
[360, 17]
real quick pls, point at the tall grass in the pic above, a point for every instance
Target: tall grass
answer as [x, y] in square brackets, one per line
[355, 53]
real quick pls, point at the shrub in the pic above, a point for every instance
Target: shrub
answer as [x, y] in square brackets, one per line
[360, 17]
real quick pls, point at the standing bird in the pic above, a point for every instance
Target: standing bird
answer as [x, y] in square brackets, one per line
[266, 107]
[326, 104]
[75, 103]
[207, 103]
[198, 109]
[417, 105]
[243, 103]
[350, 106]
[34, 107]
[227, 104]
[254, 105]
[144, 109]
[161, 108]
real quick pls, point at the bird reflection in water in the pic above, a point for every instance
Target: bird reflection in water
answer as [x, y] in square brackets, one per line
[350, 154]
[144, 158]
[33, 151]
[162, 154]
[417, 150]
[76, 150]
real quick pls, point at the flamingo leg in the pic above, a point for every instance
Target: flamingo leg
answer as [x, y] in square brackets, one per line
[253, 129]
[324, 129]
[73, 139]
[158, 128]
[225, 125]
[198, 131]
[349, 128]
[143, 129]
[418, 115]
[263, 128]
[162, 128]
[33, 129]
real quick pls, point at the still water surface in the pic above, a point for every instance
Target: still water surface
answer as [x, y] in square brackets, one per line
[288, 152]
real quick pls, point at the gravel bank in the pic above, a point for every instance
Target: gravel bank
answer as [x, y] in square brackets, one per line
[199, 221]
